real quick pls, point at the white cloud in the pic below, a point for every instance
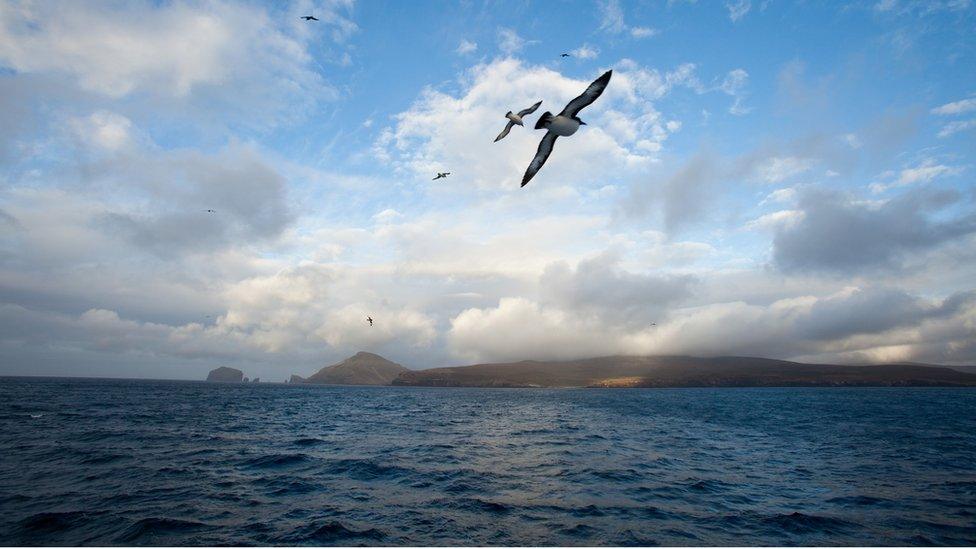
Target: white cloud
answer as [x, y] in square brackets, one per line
[105, 130]
[957, 126]
[928, 170]
[585, 52]
[510, 43]
[785, 195]
[738, 9]
[613, 22]
[167, 49]
[443, 132]
[956, 107]
[775, 220]
[643, 32]
[734, 85]
[466, 47]
[780, 168]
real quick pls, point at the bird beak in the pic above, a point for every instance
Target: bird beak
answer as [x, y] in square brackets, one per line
[582, 123]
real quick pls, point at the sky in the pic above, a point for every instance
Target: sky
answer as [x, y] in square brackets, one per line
[792, 180]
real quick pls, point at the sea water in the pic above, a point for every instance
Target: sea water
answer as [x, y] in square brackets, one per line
[103, 462]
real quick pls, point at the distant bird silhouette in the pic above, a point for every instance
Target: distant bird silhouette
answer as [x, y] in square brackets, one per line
[441, 175]
[565, 123]
[565, 55]
[370, 320]
[516, 119]
[309, 18]
[210, 211]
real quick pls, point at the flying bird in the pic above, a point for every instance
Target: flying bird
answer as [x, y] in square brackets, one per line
[441, 175]
[565, 123]
[370, 320]
[565, 55]
[309, 18]
[210, 211]
[516, 119]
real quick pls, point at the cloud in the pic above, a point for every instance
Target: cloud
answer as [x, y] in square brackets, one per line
[838, 234]
[445, 132]
[734, 85]
[738, 9]
[775, 220]
[776, 169]
[643, 32]
[585, 52]
[599, 288]
[612, 21]
[957, 126]
[925, 172]
[105, 130]
[956, 107]
[466, 47]
[510, 43]
[168, 49]
[854, 324]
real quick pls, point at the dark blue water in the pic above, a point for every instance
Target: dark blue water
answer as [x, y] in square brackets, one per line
[177, 463]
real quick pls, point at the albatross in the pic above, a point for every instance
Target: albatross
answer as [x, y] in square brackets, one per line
[514, 119]
[441, 175]
[565, 123]
[309, 18]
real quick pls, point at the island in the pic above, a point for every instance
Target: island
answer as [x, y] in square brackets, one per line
[360, 369]
[224, 374]
[684, 371]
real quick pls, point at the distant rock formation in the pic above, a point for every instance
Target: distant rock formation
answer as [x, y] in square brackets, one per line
[684, 371]
[296, 379]
[226, 375]
[360, 369]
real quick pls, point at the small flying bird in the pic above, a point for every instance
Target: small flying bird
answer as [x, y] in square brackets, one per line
[309, 18]
[565, 55]
[210, 211]
[516, 119]
[565, 123]
[370, 320]
[441, 175]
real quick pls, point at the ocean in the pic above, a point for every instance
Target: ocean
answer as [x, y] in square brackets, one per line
[125, 462]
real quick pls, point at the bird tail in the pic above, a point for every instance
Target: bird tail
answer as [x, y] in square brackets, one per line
[544, 120]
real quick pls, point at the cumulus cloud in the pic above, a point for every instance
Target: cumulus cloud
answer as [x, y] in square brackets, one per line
[441, 130]
[842, 235]
[170, 49]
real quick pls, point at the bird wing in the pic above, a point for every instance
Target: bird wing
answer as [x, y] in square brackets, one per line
[592, 92]
[529, 110]
[508, 128]
[545, 148]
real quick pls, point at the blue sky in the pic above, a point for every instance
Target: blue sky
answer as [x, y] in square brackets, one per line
[792, 180]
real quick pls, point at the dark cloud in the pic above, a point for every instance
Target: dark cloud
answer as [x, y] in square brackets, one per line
[874, 310]
[247, 194]
[599, 287]
[841, 235]
[683, 197]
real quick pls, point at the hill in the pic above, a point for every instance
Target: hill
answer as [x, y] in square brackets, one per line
[360, 369]
[683, 371]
